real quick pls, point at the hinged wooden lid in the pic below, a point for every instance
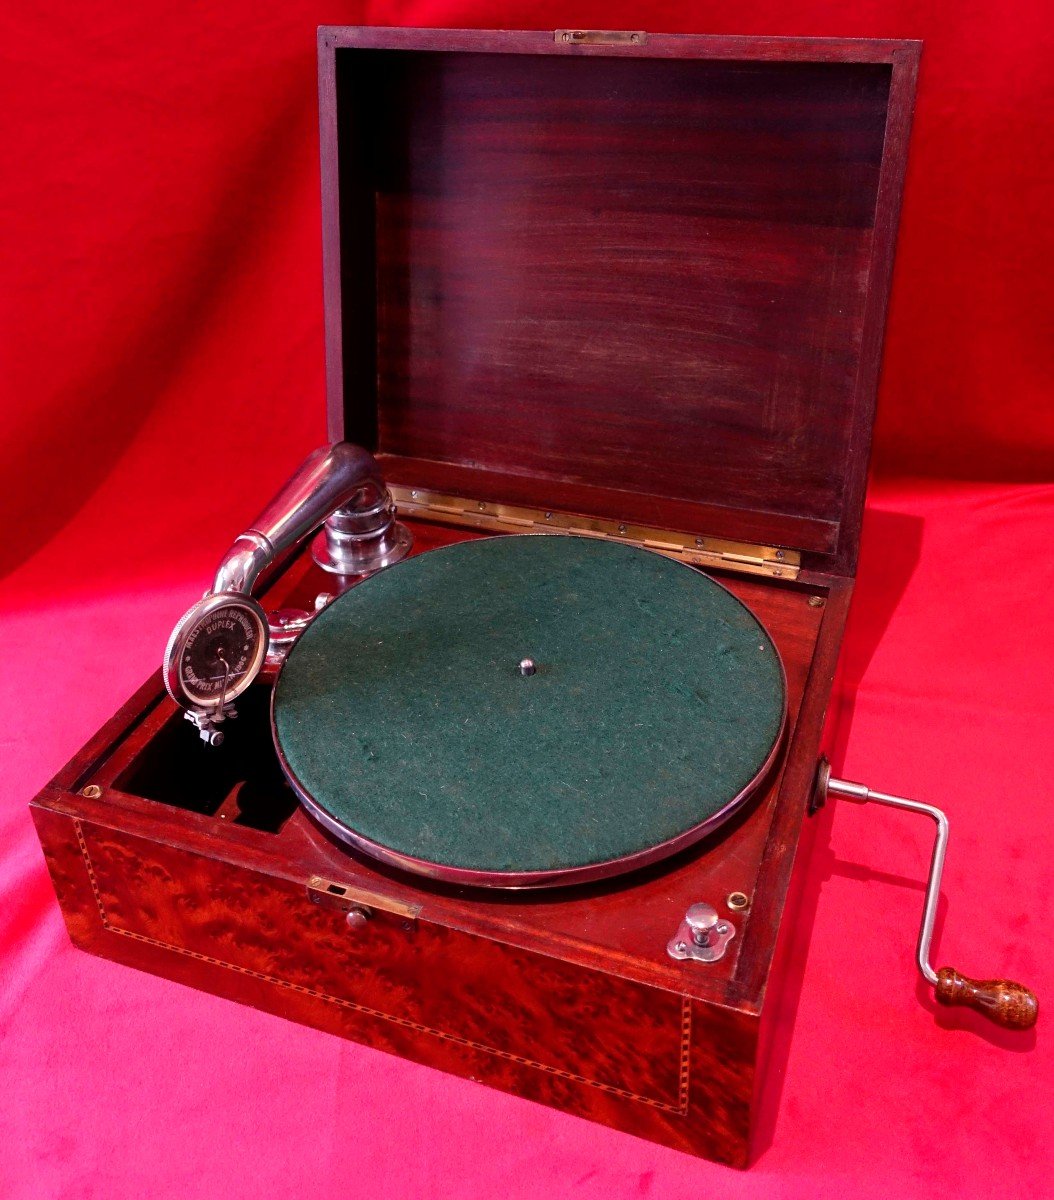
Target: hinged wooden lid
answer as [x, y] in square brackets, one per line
[644, 281]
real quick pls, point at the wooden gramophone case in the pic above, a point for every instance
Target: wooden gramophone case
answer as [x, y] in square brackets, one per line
[626, 283]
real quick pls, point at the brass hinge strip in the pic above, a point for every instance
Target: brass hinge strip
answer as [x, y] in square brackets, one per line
[745, 557]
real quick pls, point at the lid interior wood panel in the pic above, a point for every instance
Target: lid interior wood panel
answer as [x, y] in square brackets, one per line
[635, 282]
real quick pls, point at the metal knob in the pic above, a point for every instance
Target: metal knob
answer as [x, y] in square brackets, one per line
[357, 917]
[701, 919]
[702, 934]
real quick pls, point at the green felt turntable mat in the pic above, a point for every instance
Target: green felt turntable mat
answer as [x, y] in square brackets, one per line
[402, 714]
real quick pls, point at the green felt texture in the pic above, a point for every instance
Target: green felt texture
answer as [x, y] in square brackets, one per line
[401, 711]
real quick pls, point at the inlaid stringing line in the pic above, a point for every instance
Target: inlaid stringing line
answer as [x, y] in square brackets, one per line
[679, 1109]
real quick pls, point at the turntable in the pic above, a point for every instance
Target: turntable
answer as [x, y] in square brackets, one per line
[491, 745]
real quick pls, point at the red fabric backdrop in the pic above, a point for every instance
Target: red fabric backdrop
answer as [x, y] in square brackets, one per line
[160, 219]
[161, 351]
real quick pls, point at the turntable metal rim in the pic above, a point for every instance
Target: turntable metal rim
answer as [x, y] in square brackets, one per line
[561, 875]
[519, 880]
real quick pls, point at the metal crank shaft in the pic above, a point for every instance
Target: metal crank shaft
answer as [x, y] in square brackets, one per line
[1009, 1004]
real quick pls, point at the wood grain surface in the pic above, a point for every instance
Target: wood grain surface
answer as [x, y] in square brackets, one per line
[674, 264]
[644, 282]
[197, 869]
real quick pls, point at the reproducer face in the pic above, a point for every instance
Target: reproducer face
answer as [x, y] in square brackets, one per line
[215, 651]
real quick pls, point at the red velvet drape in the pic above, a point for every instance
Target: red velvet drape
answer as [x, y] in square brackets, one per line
[161, 363]
[160, 218]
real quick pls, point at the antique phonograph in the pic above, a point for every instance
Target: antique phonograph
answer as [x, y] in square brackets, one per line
[698, 691]
[508, 725]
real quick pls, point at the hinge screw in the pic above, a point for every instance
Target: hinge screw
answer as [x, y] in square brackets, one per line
[92, 791]
[816, 602]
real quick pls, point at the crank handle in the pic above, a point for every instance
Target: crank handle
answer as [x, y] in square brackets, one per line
[1009, 1004]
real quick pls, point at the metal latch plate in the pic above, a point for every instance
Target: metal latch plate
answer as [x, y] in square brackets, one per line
[601, 37]
[326, 893]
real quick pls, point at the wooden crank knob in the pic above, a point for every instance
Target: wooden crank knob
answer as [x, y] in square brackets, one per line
[1000, 1000]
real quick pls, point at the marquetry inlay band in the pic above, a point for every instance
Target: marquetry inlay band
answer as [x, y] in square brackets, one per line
[679, 1109]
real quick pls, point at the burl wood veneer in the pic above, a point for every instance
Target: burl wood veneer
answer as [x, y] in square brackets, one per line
[638, 280]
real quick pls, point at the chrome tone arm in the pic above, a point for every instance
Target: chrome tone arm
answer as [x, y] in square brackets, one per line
[340, 485]
[331, 478]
